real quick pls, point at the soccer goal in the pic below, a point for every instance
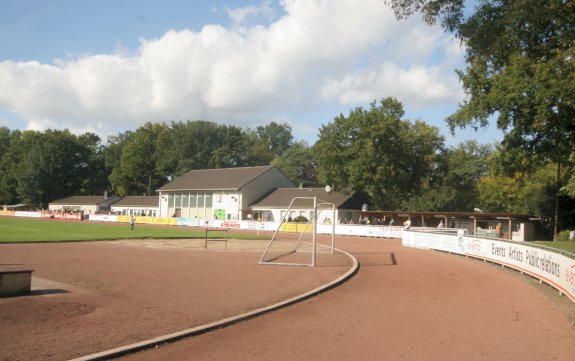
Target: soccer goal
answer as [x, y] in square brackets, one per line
[295, 244]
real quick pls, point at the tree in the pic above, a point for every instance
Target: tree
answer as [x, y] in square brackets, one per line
[51, 165]
[298, 164]
[452, 186]
[377, 152]
[92, 166]
[514, 183]
[11, 152]
[466, 164]
[137, 172]
[277, 137]
[520, 67]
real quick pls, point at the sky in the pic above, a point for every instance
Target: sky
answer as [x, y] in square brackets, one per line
[110, 66]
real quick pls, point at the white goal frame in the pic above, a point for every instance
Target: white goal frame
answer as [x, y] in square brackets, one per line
[317, 204]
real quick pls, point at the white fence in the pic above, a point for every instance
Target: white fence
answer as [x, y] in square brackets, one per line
[550, 267]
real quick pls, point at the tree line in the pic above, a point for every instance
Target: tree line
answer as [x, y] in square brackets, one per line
[520, 73]
[399, 163]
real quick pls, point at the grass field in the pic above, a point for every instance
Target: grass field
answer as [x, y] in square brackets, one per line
[568, 246]
[49, 230]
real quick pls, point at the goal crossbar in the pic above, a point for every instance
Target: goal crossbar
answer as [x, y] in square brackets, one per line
[271, 259]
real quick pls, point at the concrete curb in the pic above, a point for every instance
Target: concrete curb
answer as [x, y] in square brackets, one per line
[139, 346]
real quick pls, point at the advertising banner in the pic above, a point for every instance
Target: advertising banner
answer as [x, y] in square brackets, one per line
[148, 220]
[103, 218]
[553, 268]
[59, 215]
[190, 222]
[27, 214]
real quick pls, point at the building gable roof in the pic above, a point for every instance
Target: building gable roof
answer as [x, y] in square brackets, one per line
[82, 200]
[282, 197]
[138, 201]
[216, 179]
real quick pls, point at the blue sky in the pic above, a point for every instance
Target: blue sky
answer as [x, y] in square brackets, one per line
[110, 66]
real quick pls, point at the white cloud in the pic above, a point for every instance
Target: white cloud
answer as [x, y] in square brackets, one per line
[241, 15]
[317, 51]
[416, 85]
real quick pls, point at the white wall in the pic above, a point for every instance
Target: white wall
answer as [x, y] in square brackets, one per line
[550, 267]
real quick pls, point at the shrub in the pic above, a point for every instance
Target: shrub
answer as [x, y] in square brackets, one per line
[301, 219]
[563, 236]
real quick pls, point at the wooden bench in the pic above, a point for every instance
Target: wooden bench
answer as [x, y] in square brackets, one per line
[15, 279]
[225, 240]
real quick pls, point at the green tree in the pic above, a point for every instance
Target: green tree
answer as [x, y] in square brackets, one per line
[11, 152]
[520, 68]
[202, 145]
[377, 152]
[466, 164]
[298, 164]
[229, 150]
[277, 137]
[452, 185]
[137, 172]
[515, 183]
[51, 165]
[92, 165]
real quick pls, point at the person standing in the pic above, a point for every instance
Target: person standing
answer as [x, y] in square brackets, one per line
[132, 223]
[499, 230]
[407, 224]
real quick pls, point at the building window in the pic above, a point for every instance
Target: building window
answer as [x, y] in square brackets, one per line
[208, 200]
[185, 200]
[200, 200]
[170, 200]
[193, 201]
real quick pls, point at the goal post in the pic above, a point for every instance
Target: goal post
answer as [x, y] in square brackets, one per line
[295, 244]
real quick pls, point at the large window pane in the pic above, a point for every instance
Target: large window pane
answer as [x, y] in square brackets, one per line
[200, 200]
[185, 200]
[208, 200]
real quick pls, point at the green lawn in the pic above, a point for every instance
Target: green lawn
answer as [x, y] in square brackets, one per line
[568, 246]
[49, 230]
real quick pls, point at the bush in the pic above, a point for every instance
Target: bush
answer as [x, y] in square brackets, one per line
[301, 219]
[563, 236]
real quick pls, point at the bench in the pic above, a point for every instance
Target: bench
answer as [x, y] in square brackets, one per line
[15, 279]
[225, 230]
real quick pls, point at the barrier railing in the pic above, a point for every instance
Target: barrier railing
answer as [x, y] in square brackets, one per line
[549, 266]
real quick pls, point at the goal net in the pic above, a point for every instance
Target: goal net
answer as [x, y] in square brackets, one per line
[295, 243]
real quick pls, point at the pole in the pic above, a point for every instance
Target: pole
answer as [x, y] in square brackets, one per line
[333, 229]
[556, 220]
[314, 231]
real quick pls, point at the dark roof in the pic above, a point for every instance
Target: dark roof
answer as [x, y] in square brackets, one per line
[84, 200]
[138, 201]
[17, 206]
[216, 179]
[454, 215]
[282, 197]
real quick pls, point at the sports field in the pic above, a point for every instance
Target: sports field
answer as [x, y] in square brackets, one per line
[403, 303]
[50, 230]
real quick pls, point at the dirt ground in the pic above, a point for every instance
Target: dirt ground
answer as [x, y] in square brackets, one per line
[403, 304]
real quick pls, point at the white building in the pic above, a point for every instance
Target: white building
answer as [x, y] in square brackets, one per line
[87, 204]
[219, 193]
[274, 207]
[137, 206]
